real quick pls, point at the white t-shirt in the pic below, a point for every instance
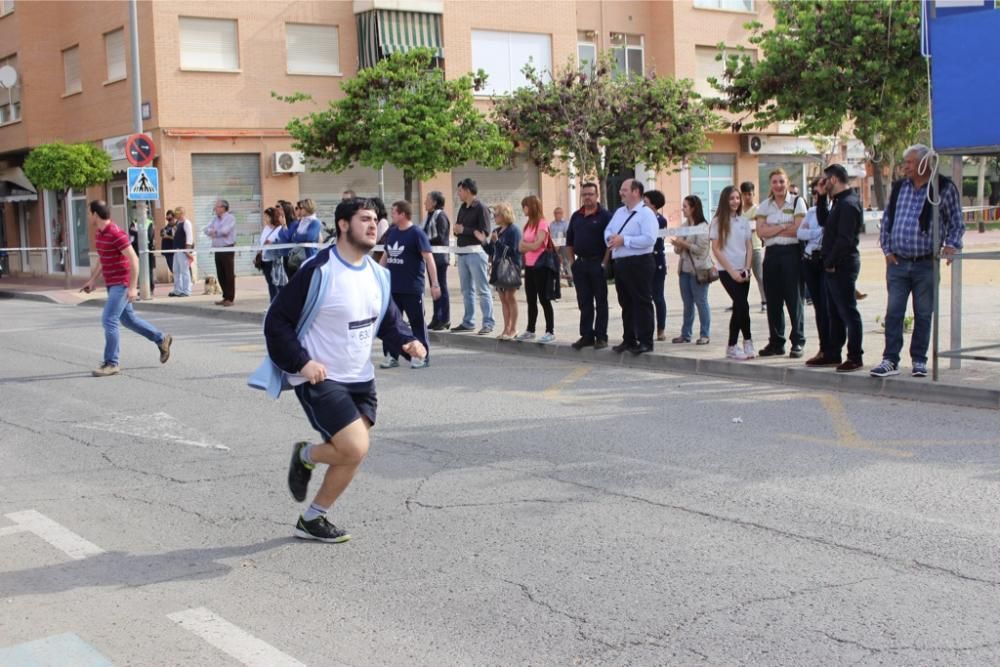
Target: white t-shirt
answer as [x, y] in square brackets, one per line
[735, 249]
[783, 214]
[268, 234]
[341, 336]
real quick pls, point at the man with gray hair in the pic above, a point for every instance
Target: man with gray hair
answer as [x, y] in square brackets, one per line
[222, 231]
[907, 241]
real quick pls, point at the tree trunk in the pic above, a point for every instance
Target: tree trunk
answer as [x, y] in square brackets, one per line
[407, 187]
[879, 186]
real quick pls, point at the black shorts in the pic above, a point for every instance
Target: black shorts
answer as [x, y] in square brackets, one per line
[330, 405]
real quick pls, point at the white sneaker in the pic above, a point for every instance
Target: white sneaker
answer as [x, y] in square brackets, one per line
[418, 363]
[546, 338]
[389, 362]
[735, 353]
[527, 335]
[748, 350]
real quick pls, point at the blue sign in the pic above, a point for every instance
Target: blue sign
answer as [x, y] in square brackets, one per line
[960, 36]
[143, 183]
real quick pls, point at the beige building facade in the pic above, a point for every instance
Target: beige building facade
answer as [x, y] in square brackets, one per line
[208, 71]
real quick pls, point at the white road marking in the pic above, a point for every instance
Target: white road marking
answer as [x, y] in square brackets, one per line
[232, 640]
[157, 426]
[59, 536]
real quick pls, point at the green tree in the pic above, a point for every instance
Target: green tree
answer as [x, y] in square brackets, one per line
[603, 118]
[836, 64]
[61, 167]
[402, 112]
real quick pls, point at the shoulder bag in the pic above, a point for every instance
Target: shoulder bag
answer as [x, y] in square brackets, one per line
[703, 275]
[609, 262]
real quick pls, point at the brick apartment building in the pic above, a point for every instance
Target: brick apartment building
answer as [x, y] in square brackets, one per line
[208, 69]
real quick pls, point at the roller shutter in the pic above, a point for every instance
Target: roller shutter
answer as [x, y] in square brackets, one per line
[499, 185]
[326, 188]
[235, 178]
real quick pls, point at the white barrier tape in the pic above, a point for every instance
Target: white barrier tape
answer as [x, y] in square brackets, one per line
[61, 249]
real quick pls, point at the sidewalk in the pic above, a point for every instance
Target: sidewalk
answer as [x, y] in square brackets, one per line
[976, 384]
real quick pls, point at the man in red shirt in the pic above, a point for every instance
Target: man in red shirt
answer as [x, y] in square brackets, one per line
[120, 266]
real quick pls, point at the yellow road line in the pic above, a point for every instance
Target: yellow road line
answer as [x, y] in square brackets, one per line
[574, 377]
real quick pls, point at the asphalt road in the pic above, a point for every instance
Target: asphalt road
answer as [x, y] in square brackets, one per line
[511, 512]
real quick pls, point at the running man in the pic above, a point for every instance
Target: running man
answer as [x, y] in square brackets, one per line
[319, 333]
[119, 265]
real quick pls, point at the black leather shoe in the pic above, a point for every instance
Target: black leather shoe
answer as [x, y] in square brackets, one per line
[600, 343]
[770, 351]
[620, 347]
[433, 326]
[796, 352]
[582, 343]
[640, 348]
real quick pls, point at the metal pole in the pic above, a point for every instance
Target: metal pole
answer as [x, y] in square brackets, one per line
[956, 282]
[66, 265]
[140, 206]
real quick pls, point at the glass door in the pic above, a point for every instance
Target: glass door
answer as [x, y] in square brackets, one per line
[81, 240]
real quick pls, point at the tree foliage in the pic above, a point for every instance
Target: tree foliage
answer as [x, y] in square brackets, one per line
[402, 112]
[602, 118]
[59, 167]
[831, 63]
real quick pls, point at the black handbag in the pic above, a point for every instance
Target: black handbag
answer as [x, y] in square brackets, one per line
[506, 272]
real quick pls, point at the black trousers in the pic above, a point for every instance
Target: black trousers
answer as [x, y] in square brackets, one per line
[168, 244]
[634, 284]
[411, 305]
[591, 297]
[842, 303]
[442, 306]
[535, 290]
[783, 289]
[815, 278]
[739, 320]
[225, 271]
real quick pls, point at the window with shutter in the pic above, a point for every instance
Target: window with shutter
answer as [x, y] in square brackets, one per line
[71, 70]
[209, 44]
[6, 7]
[708, 67]
[10, 98]
[114, 49]
[312, 49]
[502, 55]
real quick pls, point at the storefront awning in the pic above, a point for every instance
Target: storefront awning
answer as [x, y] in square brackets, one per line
[382, 32]
[15, 186]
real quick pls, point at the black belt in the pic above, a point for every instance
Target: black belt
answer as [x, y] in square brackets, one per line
[921, 258]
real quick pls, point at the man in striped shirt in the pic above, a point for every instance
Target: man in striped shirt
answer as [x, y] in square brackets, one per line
[907, 241]
[119, 264]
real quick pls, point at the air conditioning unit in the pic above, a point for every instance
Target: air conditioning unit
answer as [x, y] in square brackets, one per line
[288, 162]
[753, 143]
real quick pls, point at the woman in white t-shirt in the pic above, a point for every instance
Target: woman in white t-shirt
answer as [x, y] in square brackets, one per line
[730, 233]
[268, 235]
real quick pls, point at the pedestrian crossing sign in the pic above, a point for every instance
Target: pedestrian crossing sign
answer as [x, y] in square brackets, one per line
[143, 183]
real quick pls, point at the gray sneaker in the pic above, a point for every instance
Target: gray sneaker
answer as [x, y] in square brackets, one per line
[919, 369]
[389, 362]
[105, 370]
[546, 338]
[527, 335]
[485, 331]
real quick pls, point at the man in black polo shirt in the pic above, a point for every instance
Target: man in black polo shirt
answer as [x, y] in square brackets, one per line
[585, 243]
[472, 228]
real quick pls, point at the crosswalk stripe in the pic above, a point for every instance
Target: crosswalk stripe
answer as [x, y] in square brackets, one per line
[59, 536]
[232, 640]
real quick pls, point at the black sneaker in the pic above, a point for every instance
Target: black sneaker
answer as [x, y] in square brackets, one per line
[796, 352]
[582, 343]
[462, 328]
[621, 347]
[771, 351]
[299, 473]
[321, 530]
[600, 343]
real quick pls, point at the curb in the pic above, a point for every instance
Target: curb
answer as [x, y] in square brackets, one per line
[28, 296]
[857, 383]
[228, 314]
[950, 394]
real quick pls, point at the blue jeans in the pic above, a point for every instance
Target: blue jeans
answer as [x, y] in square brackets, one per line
[903, 279]
[473, 278]
[695, 296]
[118, 309]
